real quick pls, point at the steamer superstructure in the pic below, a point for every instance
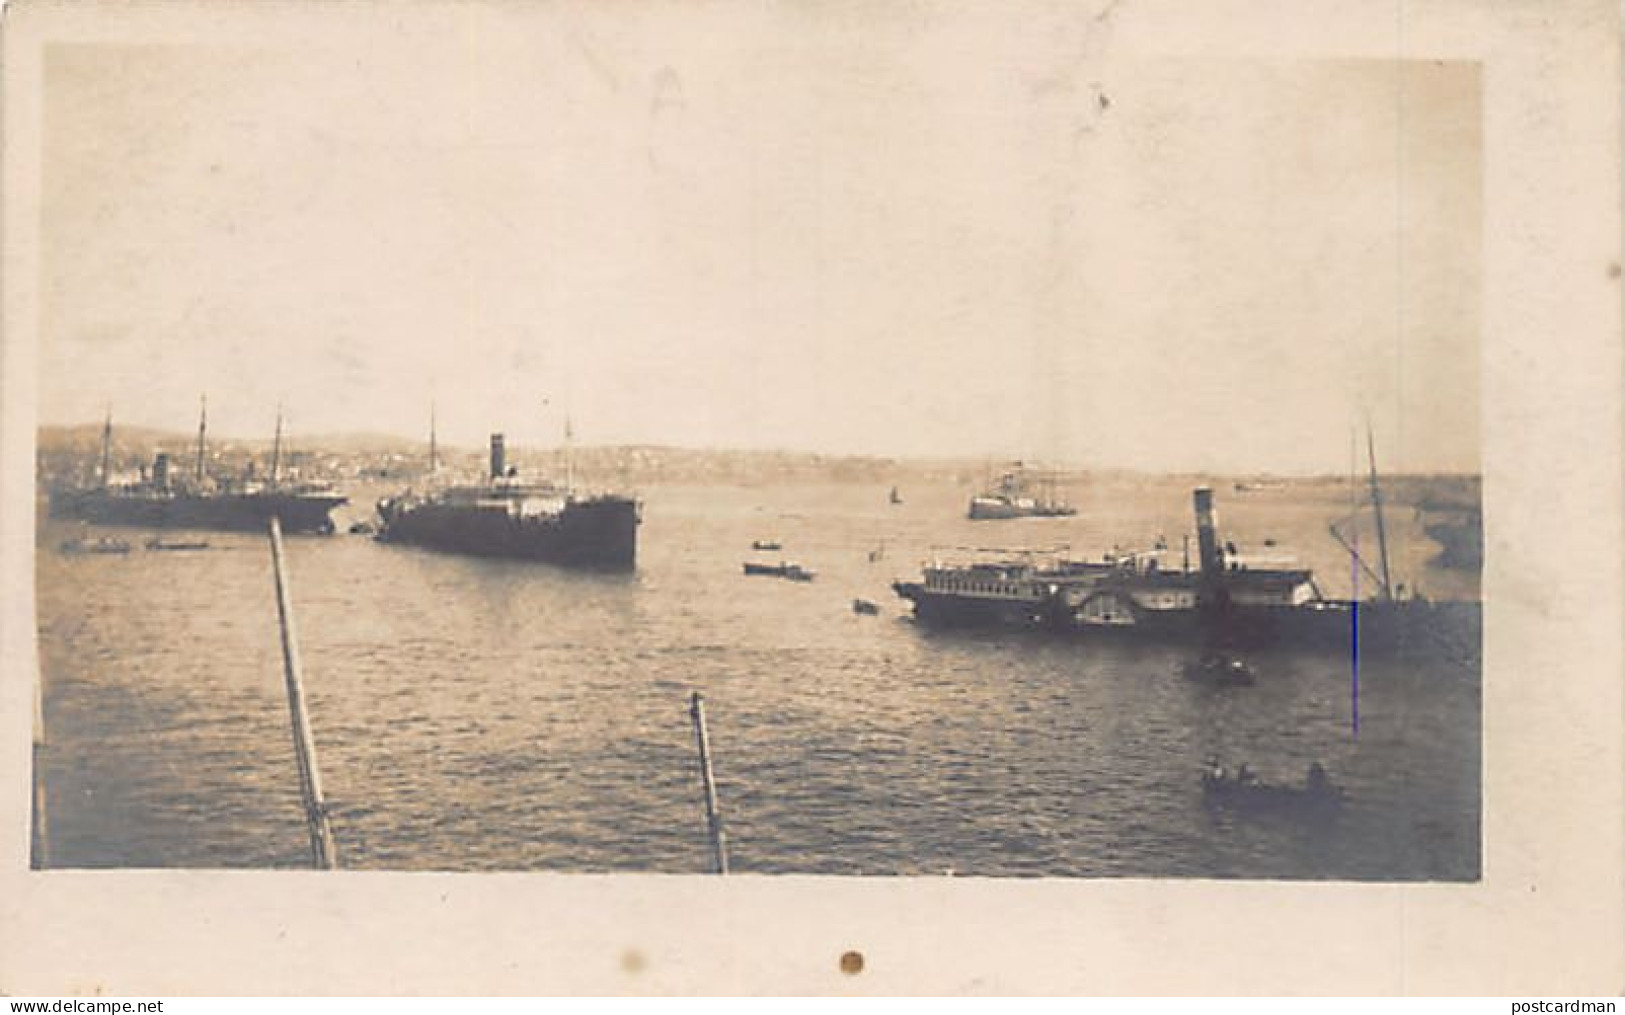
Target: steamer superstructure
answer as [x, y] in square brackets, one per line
[506, 516]
[1015, 496]
[1223, 600]
[165, 499]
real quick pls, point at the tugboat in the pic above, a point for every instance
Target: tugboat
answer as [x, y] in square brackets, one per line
[201, 501]
[508, 517]
[1012, 497]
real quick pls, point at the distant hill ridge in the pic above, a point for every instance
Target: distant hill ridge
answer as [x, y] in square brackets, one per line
[85, 438]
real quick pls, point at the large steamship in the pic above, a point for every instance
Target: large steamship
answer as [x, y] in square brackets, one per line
[164, 498]
[1222, 601]
[506, 516]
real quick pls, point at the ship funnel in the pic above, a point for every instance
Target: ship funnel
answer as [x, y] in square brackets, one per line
[160, 471]
[499, 457]
[1207, 533]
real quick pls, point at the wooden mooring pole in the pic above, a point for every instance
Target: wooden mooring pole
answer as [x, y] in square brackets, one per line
[39, 826]
[324, 855]
[713, 813]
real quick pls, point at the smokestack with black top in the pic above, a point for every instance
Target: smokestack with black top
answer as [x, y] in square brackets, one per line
[1207, 534]
[499, 457]
[160, 471]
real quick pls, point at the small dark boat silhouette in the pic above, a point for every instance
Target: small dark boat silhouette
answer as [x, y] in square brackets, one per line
[84, 544]
[865, 607]
[1245, 791]
[1221, 670]
[794, 572]
[157, 543]
[767, 544]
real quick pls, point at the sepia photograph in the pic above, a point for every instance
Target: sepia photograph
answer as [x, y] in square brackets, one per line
[902, 443]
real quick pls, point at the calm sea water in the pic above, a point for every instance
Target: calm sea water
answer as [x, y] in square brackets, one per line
[485, 715]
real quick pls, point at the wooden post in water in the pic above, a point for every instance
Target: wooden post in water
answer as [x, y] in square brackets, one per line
[324, 855]
[39, 826]
[713, 813]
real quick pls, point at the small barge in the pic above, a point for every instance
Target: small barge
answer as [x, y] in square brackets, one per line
[793, 572]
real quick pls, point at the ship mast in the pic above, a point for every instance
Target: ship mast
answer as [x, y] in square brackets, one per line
[107, 447]
[276, 446]
[1376, 504]
[569, 455]
[434, 451]
[202, 432]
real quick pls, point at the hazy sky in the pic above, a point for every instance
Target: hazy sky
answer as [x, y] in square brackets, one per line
[917, 232]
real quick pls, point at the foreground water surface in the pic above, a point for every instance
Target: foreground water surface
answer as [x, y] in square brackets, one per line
[485, 715]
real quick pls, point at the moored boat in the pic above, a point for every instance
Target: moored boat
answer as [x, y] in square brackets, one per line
[164, 499]
[1245, 791]
[103, 544]
[782, 569]
[159, 544]
[1224, 602]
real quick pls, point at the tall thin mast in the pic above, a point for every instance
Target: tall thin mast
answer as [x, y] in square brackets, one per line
[569, 454]
[276, 447]
[107, 447]
[434, 451]
[1376, 504]
[202, 433]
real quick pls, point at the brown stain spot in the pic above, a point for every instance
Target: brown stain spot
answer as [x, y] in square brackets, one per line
[632, 961]
[1613, 269]
[852, 963]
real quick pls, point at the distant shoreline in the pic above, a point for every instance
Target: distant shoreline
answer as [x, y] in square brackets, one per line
[79, 439]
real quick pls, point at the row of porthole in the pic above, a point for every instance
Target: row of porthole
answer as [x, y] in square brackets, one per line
[987, 588]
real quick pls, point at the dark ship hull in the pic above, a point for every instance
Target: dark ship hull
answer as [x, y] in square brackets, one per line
[599, 533]
[299, 512]
[1374, 626]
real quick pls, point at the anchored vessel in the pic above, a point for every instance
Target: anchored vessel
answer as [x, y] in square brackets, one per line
[163, 499]
[1013, 496]
[1224, 601]
[507, 517]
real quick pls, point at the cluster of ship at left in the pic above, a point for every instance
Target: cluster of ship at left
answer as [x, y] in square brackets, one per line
[504, 514]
